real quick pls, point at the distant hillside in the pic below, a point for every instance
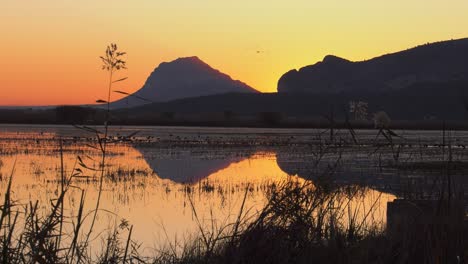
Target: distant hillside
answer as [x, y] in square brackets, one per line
[183, 78]
[437, 62]
[442, 101]
[420, 106]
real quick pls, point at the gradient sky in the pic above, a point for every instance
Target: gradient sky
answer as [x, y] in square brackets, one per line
[49, 49]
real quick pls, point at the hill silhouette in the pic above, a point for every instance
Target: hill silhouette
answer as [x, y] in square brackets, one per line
[437, 62]
[432, 100]
[182, 78]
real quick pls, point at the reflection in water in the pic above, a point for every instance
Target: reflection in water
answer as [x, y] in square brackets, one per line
[150, 187]
[183, 167]
[347, 172]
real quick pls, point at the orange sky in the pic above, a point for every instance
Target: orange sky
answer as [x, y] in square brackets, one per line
[50, 48]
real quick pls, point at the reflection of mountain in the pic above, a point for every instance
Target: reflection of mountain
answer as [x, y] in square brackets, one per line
[183, 166]
[187, 169]
[364, 173]
[192, 166]
[351, 172]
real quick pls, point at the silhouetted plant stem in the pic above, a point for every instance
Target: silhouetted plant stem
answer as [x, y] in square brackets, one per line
[111, 63]
[128, 244]
[62, 190]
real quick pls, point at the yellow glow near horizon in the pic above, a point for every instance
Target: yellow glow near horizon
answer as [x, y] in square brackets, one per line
[49, 49]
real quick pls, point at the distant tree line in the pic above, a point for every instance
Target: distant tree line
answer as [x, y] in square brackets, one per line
[74, 114]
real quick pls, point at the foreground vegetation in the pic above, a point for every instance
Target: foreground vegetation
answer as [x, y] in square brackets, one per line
[301, 223]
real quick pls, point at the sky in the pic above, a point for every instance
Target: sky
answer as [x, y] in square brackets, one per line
[49, 49]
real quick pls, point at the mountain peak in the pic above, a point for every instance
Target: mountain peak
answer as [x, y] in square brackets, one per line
[183, 78]
[191, 59]
[333, 59]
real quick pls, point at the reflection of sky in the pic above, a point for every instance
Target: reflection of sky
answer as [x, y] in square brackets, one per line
[155, 203]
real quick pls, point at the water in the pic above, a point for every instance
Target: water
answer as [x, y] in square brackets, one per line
[154, 179]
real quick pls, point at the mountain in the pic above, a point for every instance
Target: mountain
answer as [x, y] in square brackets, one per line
[182, 78]
[444, 61]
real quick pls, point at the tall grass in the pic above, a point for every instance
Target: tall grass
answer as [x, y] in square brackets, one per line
[29, 234]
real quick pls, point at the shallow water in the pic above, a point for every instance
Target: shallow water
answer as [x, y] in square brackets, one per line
[153, 178]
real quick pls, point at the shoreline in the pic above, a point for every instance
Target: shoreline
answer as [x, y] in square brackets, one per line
[286, 124]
